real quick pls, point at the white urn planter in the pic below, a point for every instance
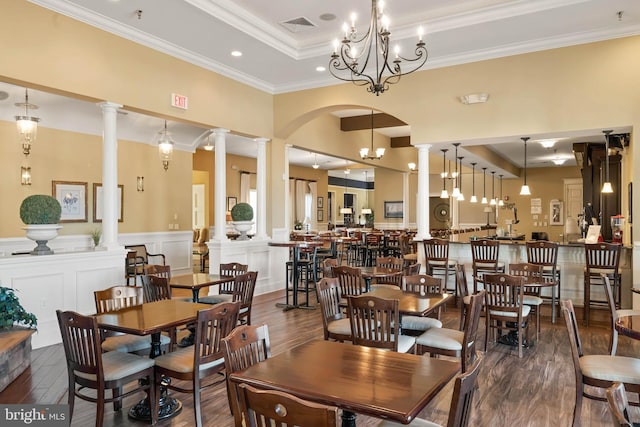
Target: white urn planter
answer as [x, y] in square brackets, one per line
[41, 234]
[243, 228]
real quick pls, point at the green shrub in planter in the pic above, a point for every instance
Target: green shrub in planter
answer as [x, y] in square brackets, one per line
[40, 209]
[11, 312]
[242, 212]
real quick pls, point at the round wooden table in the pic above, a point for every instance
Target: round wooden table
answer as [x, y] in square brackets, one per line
[629, 324]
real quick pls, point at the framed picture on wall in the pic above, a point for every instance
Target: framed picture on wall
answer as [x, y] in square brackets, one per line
[98, 203]
[556, 213]
[320, 202]
[231, 202]
[393, 209]
[320, 215]
[73, 200]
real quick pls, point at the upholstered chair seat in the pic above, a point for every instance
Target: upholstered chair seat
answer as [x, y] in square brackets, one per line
[448, 339]
[129, 343]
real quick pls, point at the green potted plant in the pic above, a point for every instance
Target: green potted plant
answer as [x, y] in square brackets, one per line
[96, 233]
[41, 214]
[12, 313]
[242, 219]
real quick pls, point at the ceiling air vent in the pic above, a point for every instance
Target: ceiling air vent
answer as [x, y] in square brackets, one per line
[297, 25]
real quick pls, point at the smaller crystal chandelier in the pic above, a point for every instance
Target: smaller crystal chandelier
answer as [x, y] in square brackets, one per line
[165, 146]
[379, 152]
[350, 59]
[27, 125]
[25, 175]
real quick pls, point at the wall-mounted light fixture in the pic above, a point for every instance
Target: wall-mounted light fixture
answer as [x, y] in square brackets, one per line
[412, 166]
[474, 98]
[140, 183]
[25, 175]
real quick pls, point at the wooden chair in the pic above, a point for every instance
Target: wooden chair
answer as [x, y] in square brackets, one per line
[452, 342]
[532, 273]
[225, 290]
[421, 285]
[461, 401]
[615, 314]
[601, 258]
[159, 270]
[599, 371]
[406, 249]
[437, 262]
[116, 298]
[132, 268]
[350, 279]
[504, 307]
[245, 346]
[373, 247]
[202, 360]
[89, 367]
[484, 259]
[463, 292]
[327, 267]
[144, 256]
[156, 288]
[244, 286]
[375, 323]
[335, 324]
[412, 269]
[546, 255]
[270, 408]
[619, 406]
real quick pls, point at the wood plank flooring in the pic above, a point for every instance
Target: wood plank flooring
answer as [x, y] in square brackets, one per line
[537, 390]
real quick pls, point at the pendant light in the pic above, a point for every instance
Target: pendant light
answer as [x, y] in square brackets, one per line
[456, 190]
[606, 187]
[524, 190]
[493, 186]
[484, 191]
[315, 161]
[27, 125]
[444, 194]
[165, 146]
[461, 195]
[501, 201]
[473, 198]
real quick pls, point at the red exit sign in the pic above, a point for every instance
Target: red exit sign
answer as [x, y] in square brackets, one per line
[179, 101]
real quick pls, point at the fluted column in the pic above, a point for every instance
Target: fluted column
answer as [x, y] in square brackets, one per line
[422, 210]
[261, 190]
[220, 209]
[110, 175]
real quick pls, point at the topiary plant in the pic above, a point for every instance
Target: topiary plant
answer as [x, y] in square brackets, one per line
[11, 312]
[242, 212]
[40, 209]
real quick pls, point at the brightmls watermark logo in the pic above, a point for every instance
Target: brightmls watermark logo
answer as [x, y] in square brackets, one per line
[34, 415]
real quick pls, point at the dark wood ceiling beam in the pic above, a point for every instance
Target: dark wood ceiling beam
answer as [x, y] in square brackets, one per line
[400, 141]
[380, 120]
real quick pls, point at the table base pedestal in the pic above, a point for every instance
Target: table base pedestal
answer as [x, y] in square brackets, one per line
[348, 419]
[511, 339]
[168, 406]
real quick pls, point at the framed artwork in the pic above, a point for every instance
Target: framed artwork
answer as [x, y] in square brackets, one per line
[556, 213]
[98, 202]
[320, 202]
[393, 209]
[320, 215]
[231, 202]
[72, 196]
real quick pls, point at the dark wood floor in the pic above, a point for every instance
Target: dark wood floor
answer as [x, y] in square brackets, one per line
[537, 390]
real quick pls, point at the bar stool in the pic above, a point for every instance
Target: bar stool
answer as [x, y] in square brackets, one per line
[546, 255]
[436, 254]
[484, 256]
[601, 258]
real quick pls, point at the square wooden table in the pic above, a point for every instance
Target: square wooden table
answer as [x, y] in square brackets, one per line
[197, 281]
[412, 304]
[357, 379]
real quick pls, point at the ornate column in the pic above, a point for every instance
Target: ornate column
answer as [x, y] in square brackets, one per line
[261, 190]
[220, 205]
[110, 176]
[422, 210]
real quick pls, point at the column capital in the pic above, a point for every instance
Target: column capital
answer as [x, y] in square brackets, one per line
[220, 131]
[423, 146]
[261, 140]
[107, 105]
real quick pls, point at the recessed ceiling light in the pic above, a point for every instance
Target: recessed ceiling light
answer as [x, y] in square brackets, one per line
[320, 68]
[236, 53]
[548, 143]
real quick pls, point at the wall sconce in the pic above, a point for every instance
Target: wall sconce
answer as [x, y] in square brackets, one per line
[474, 98]
[25, 175]
[140, 183]
[27, 125]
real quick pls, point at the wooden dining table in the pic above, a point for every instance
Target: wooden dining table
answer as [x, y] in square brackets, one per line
[151, 319]
[370, 273]
[410, 303]
[629, 324]
[357, 379]
[197, 281]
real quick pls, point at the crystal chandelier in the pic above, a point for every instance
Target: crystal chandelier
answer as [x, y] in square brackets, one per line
[375, 155]
[27, 125]
[364, 59]
[165, 146]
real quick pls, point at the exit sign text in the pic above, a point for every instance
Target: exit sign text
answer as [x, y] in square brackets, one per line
[179, 101]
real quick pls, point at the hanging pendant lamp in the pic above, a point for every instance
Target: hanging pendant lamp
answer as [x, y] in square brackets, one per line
[461, 195]
[524, 190]
[473, 198]
[501, 201]
[444, 194]
[606, 187]
[456, 189]
[493, 186]
[484, 191]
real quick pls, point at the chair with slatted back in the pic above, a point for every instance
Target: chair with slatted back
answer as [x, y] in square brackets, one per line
[463, 292]
[116, 298]
[484, 259]
[412, 269]
[89, 368]
[406, 249]
[335, 324]
[422, 285]
[452, 342]
[270, 408]
[225, 290]
[532, 273]
[615, 314]
[327, 267]
[437, 262]
[391, 281]
[350, 279]
[375, 323]
[599, 371]
[546, 255]
[159, 270]
[601, 258]
[466, 384]
[373, 247]
[156, 288]
[244, 287]
[619, 406]
[504, 307]
[245, 346]
[202, 360]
